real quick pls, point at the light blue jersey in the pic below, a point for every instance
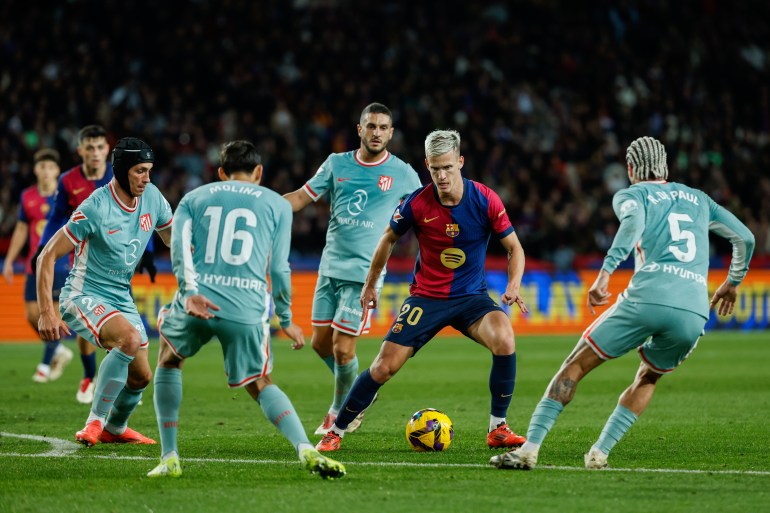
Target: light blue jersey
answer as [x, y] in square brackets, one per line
[226, 236]
[362, 197]
[668, 224]
[110, 238]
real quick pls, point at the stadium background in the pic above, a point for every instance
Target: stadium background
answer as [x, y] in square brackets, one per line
[546, 94]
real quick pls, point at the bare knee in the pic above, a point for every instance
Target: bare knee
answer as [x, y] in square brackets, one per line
[381, 371]
[256, 387]
[505, 344]
[344, 355]
[645, 376]
[129, 342]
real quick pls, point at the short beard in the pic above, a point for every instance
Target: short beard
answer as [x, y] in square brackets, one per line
[371, 151]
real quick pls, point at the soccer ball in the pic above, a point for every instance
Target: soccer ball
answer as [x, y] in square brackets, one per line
[429, 430]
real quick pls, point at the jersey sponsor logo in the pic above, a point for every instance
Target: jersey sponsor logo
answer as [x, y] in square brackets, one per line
[99, 310]
[343, 179]
[145, 222]
[114, 230]
[78, 190]
[452, 230]
[132, 251]
[452, 258]
[385, 182]
[397, 215]
[426, 220]
[684, 273]
[397, 327]
[78, 216]
[357, 203]
[44, 208]
[650, 268]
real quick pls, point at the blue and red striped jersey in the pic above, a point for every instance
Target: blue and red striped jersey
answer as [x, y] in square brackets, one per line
[452, 239]
[33, 210]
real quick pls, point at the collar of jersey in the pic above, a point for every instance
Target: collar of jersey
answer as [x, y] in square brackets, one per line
[465, 194]
[366, 164]
[120, 203]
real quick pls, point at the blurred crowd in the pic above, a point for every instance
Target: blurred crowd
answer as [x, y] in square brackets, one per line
[546, 94]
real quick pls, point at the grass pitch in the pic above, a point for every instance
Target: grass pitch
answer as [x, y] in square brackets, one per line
[703, 444]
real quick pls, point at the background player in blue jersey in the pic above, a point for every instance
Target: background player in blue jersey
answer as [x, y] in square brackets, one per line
[239, 230]
[363, 187]
[34, 207]
[663, 310]
[453, 219]
[109, 232]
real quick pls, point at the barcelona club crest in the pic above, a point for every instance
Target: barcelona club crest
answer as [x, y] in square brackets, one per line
[453, 230]
[385, 182]
[397, 327]
[145, 222]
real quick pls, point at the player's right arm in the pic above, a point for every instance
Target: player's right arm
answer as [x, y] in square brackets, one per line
[19, 237]
[379, 260]
[725, 224]
[316, 187]
[630, 211]
[50, 325]
[298, 199]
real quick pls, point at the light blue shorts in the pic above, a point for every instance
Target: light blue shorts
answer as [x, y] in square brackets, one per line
[337, 303]
[664, 336]
[245, 347]
[88, 314]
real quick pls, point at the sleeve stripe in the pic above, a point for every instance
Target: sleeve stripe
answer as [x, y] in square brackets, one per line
[164, 226]
[310, 192]
[71, 236]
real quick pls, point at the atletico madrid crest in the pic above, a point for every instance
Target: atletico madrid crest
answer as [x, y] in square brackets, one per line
[145, 222]
[453, 230]
[77, 216]
[385, 182]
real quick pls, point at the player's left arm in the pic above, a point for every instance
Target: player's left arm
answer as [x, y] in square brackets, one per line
[516, 260]
[165, 219]
[165, 236]
[725, 224]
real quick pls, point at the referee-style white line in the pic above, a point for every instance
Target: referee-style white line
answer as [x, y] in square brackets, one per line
[65, 449]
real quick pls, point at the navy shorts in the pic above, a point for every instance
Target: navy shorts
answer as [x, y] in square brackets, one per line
[30, 287]
[421, 318]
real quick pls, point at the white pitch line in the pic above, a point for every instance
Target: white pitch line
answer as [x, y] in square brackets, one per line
[64, 448]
